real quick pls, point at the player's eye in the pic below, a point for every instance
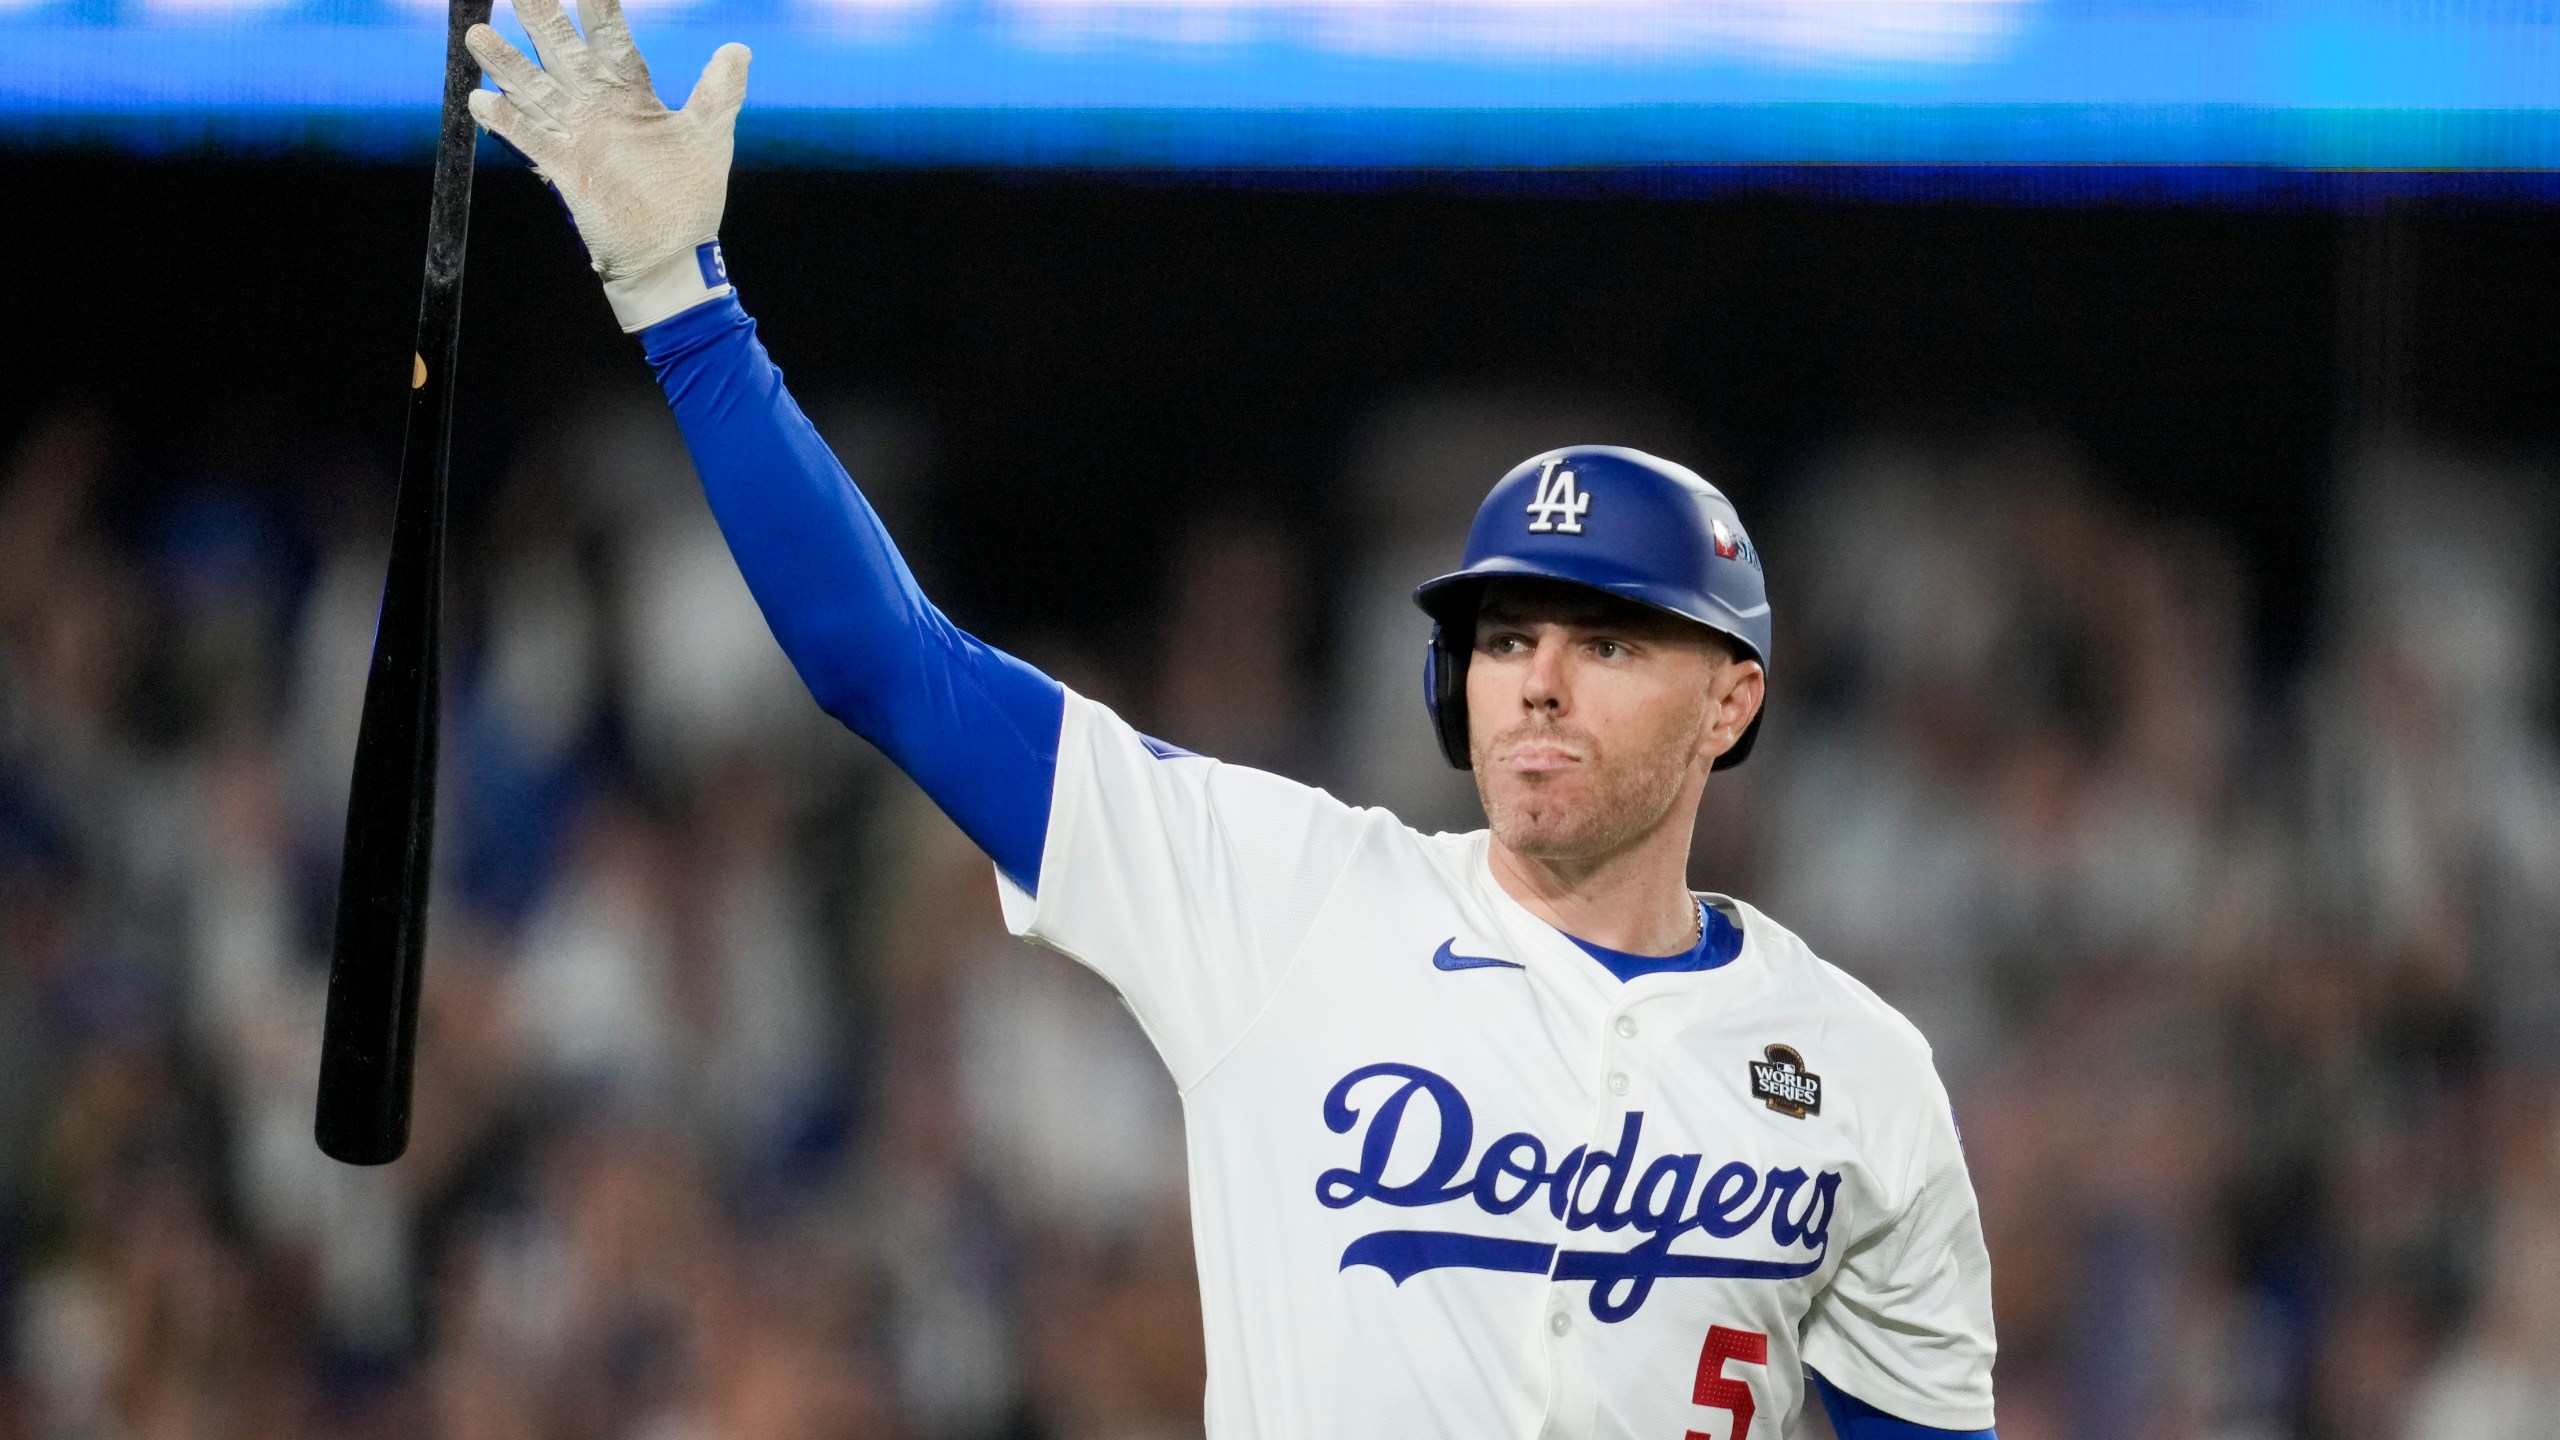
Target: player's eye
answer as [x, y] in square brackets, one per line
[1608, 649]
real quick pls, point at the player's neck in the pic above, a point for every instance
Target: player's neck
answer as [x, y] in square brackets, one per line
[1635, 899]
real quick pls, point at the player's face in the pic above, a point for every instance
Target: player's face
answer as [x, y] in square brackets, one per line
[1593, 720]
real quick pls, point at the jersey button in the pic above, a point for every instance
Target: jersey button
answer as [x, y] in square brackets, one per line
[1618, 1083]
[1559, 1322]
[1627, 1027]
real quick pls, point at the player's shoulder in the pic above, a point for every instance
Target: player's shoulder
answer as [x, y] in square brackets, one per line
[1803, 981]
[1123, 761]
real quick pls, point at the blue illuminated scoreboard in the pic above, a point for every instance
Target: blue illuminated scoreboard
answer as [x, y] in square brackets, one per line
[2213, 90]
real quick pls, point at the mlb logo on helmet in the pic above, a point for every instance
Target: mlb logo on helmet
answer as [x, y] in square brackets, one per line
[1731, 544]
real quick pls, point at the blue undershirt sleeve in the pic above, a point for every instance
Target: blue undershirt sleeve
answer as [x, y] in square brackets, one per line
[975, 727]
[1855, 1419]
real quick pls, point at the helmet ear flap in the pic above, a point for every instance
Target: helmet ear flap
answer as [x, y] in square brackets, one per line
[1444, 695]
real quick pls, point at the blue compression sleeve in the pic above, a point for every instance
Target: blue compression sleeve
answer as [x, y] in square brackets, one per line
[975, 727]
[1855, 1419]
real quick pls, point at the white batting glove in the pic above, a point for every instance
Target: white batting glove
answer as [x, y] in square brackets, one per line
[644, 183]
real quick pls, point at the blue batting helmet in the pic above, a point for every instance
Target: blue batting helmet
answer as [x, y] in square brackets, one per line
[1618, 521]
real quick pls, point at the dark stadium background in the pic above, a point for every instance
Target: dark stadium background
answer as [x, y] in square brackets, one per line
[1093, 351]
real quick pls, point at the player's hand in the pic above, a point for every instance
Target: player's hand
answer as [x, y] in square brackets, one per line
[644, 183]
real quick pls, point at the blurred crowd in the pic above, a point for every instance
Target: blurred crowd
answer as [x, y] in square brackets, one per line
[739, 1115]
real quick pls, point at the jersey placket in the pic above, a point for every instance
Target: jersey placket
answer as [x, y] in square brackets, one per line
[1611, 1023]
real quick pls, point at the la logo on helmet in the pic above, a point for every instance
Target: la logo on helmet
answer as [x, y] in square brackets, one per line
[1558, 495]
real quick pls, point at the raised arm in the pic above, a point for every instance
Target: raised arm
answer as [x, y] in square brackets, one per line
[976, 728]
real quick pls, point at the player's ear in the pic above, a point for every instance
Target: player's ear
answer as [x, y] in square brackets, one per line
[1735, 689]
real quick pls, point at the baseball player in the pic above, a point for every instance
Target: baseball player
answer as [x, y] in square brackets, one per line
[1498, 1134]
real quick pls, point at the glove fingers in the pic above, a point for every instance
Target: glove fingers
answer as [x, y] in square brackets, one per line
[525, 83]
[556, 40]
[723, 87]
[500, 117]
[609, 38]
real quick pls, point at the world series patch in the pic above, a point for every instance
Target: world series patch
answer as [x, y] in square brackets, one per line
[1783, 1081]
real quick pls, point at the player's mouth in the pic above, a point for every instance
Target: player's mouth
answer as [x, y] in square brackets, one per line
[1535, 759]
[1540, 753]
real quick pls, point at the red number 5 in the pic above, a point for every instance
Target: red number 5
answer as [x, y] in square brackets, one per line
[1719, 1393]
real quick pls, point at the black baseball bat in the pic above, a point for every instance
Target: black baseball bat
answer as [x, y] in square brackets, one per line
[368, 1050]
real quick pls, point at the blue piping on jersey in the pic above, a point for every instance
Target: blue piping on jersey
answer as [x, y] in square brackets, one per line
[975, 727]
[1855, 1419]
[1719, 940]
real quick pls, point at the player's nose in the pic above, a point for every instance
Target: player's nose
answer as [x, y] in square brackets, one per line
[1543, 683]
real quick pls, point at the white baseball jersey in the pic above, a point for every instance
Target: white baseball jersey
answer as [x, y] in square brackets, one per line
[1450, 1177]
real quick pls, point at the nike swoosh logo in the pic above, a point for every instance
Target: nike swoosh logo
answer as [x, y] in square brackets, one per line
[1447, 958]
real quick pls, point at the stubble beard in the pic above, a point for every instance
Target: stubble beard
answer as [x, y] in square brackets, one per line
[1602, 806]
